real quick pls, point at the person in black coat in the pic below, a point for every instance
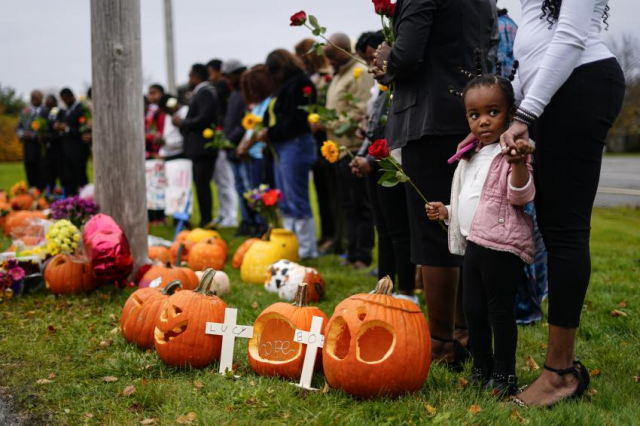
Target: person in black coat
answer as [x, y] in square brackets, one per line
[203, 112]
[30, 138]
[75, 151]
[53, 156]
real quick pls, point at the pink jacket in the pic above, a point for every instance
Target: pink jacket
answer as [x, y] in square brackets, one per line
[500, 222]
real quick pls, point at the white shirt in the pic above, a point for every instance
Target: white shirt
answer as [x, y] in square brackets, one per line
[173, 139]
[548, 56]
[472, 185]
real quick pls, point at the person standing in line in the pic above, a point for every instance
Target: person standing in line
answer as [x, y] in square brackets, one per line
[203, 110]
[223, 176]
[69, 126]
[172, 141]
[154, 122]
[31, 146]
[53, 157]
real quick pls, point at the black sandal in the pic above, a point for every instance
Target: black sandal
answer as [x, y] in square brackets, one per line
[576, 371]
[584, 373]
[460, 354]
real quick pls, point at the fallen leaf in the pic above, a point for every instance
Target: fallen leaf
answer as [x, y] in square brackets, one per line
[92, 328]
[255, 305]
[543, 345]
[67, 358]
[431, 410]
[106, 343]
[531, 364]
[147, 421]
[129, 390]
[623, 304]
[462, 383]
[636, 378]
[89, 415]
[51, 329]
[475, 409]
[517, 417]
[593, 392]
[112, 317]
[52, 376]
[110, 379]
[617, 313]
[186, 419]
[199, 384]
[252, 383]
[43, 381]
[594, 373]
[326, 388]
[115, 330]
[234, 367]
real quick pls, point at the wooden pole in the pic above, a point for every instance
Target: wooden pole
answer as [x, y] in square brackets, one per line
[118, 122]
[168, 34]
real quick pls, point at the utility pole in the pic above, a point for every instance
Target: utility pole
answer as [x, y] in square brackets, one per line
[168, 34]
[118, 123]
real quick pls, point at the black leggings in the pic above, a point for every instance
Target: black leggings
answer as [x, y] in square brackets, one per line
[570, 138]
[491, 279]
[391, 218]
[203, 169]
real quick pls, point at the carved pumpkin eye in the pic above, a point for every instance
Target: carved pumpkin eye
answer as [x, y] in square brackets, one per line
[375, 342]
[339, 339]
[163, 337]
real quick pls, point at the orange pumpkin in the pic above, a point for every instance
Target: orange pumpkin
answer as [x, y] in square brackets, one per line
[22, 202]
[272, 350]
[238, 257]
[175, 247]
[371, 340]
[18, 219]
[167, 272]
[182, 236]
[135, 302]
[208, 254]
[66, 276]
[160, 254]
[140, 324]
[179, 336]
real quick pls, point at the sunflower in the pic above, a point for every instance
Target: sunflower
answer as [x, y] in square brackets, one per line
[330, 151]
[357, 72]
[207, 133]
[35, 125]
[314, 118]
[250, 121]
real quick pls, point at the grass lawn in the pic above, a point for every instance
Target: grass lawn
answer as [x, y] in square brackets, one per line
[74, 343]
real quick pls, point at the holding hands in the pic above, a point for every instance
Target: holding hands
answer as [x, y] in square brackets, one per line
[380, 58]
[436, 211]
[519, 151]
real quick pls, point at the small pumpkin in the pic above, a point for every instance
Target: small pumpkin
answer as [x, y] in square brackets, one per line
[66, 276]
[135, 302]
[377, 345]
[207, 254]
[18, 219]
[175, 247]
[22, 202]
[160, 254]
[167, 272]
[221, 283]
[238, 257]
[179, 335]
[192, 278]
[276, 244]
[140, 325]
[199, 234]
[272, 349]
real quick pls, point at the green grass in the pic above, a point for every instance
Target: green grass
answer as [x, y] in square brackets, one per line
[43, 335]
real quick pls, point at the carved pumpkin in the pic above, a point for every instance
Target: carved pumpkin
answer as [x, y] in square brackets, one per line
[140, 324]
[275, 245]
[66, 276]
[272, 350]
[200, 234]
[297, 275]
[238, 257]
[175, 247]
[376, 345]
[221, 285]
[207, 254]
[135, 302]
[160, 254]
[179, 335]
[167, 272]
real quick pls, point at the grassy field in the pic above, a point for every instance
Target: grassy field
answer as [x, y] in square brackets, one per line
[73, 343]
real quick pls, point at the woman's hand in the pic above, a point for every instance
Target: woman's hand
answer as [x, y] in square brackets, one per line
[263, 135]
[360, 166]
[242, 150]
[518, 130]
[436, 211]
[523, 149]
[380, 58]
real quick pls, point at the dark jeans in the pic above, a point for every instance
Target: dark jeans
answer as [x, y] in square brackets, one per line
[490, 282]
[295, 159]
[354, 200]
[570, 138]
[394, 235]
[203, 168]
[242, 173]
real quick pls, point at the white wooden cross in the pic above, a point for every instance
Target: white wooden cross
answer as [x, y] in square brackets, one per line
[314, 340]
[229, 331]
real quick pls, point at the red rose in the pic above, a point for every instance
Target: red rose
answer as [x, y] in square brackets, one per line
[298, 19]
[379, 150]
[270, 198]
[307, 90]
[392, 10]
[382, 7]
[328, 78]
[218, 128]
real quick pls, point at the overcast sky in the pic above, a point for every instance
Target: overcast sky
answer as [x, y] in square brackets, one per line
[47, 44]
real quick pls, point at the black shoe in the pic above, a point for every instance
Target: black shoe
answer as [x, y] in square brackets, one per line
[586, 379]
[478, 377]
[460, 354]
[502, 385]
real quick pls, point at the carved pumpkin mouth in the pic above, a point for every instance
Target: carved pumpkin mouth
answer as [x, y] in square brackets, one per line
[170, 314]
[273, 342]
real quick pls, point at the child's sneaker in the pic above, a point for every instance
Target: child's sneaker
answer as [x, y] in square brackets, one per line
[502, 385]
[411, 298]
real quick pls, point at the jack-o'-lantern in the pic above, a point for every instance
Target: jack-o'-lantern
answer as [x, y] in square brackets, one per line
[276, 244]
[207, 254]
[238, 257]
[160, 254]
[272, 349]
[140, 324]
[376, 345]
[135, 302]
[297, 275]
[199, 234]
[166, 273]
[179, 336]
[64, 275]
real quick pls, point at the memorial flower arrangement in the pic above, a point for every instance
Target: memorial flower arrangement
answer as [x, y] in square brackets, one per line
[62, 237]
[10, 272]
[74, 209]
[39, 125]
[264, 200]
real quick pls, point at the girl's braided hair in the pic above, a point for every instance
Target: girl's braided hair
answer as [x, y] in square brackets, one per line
[551, 12]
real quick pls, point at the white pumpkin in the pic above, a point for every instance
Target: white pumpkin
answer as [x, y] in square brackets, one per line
[277, 275]
[221, 283]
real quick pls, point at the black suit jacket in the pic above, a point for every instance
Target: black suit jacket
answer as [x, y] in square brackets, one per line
[72, 144]
[203, 112]
[434, 38]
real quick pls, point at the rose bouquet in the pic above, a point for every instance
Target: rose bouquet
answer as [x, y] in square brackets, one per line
[264, 201]
[74, 209]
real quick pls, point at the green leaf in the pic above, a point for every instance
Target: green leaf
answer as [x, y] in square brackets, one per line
[316, 32]
[389, 183]
[323, 30]
[343, 129]
[388, 174]
[319, 49]
[314, 22]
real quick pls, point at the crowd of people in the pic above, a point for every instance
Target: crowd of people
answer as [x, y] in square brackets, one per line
[450, 73]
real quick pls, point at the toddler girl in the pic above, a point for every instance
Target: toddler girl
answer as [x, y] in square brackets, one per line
[488, 225]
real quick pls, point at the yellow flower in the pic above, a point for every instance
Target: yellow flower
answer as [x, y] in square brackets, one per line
[250, 121]
[76, 237]
[383, 88]
[330, 151]
[208, 133]
[35, 126]
[357, 72]
[314, 118]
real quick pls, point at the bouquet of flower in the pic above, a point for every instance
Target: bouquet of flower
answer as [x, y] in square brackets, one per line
[19, 188]
[217, 136]
[264, 201]
[62, 237]
[74, 209]
[39, 125]
[10, 272]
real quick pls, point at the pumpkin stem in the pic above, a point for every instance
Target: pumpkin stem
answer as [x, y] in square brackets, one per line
[169, 265]
[384, 286]
[267, 235]
[172, 287]
[301, 296]
[206, 282]
[179, 257]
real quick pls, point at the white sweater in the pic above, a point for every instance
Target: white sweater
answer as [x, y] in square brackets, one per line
[548, 56]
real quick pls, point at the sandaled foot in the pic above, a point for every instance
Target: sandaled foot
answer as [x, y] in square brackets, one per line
[553, 386]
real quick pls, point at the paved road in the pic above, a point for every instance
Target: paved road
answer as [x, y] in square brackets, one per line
[619, 182]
